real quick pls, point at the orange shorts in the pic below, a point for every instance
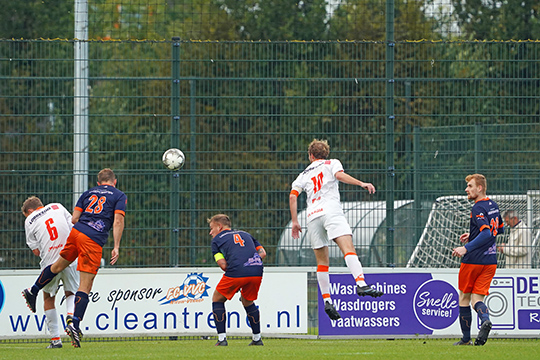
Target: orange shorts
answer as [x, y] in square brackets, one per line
[476, 279]
[78, 245]
[248, 286]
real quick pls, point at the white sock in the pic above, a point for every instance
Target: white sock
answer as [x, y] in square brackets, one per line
[351, 259]
[70, 304]
[222, 336]
[256, 337]
[323, 278]
[51, 317]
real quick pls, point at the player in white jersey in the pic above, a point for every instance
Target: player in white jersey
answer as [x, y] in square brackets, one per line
[326, 221]
[47, 229]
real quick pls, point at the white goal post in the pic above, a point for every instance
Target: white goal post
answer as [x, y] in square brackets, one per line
[449, 218]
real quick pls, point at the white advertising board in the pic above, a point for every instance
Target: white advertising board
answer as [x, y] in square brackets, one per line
[155, 302]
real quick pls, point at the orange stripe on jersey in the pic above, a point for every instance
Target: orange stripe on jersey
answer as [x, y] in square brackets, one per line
[295, 193]
[322, 268]
[78, 208]
[258, 248]
[484, 227]
[120, 212]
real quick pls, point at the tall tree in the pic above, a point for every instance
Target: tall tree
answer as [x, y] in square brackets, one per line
[500, 20]
[34, 19]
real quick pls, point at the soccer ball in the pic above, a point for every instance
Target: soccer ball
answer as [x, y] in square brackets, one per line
[173, 159]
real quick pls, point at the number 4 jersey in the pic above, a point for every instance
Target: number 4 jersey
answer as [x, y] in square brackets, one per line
[47, 229]
[98, 206]
[321, 187]
[239, 249]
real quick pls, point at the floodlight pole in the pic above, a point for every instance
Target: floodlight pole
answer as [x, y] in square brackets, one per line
[80, 101]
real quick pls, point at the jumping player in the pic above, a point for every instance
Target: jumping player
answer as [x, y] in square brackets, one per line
[320, 180]
[478, 259]
[47, 229]
[240, 255]
[96, 211]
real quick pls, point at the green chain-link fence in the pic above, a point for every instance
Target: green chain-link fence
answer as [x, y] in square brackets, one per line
[244, 112]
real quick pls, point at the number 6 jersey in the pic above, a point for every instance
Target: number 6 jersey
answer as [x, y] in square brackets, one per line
[319, 182]
[47, 229]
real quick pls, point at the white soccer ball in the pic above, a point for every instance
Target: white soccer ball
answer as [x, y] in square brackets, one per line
[173, 159]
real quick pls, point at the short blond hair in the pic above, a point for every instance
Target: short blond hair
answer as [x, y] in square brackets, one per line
[479, 179]
[106, 176]
[220, 219]
[319, 149]
[32, 203]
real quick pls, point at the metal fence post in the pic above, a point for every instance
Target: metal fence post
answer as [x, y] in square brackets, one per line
[193, 166]
[175, 133]
[390, 84]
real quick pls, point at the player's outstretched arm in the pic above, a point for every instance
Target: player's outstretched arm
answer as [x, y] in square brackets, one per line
[348, 179]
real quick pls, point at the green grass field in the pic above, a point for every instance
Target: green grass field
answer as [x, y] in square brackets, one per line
[297, 349]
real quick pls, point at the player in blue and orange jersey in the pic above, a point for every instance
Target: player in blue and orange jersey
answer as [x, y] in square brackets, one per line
[478, 259]
[240, 255]
[96, 212]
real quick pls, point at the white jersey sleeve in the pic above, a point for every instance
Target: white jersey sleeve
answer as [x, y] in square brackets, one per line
[47, 230]
[319, 183]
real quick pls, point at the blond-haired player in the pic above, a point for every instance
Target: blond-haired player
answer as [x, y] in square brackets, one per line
[326, 220]
[47, 229]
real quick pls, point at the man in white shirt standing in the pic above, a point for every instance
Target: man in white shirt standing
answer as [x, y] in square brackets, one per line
[518, 248]
[326, 220]
[47, 228]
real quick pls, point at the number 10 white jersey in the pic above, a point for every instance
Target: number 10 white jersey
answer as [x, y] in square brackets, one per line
[47, 229]
[319, 182]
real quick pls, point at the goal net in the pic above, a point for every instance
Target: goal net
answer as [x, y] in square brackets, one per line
[449, 218]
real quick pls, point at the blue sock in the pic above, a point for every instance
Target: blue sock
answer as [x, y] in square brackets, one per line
[44, 278]
[465, 318]
[254, 317]
[81, 302]
[482, 311]
[218, 309]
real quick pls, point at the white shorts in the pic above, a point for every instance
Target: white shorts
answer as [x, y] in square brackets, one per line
[70, 280]
[327, 227]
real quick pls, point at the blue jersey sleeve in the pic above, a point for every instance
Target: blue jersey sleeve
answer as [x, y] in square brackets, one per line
[482, 239]
[215, 248]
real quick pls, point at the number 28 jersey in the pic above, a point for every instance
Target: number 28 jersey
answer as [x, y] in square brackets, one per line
[98, 206]
[47, 229]
[319, 182]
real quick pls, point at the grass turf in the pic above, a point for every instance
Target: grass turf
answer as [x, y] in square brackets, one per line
[297, 349]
